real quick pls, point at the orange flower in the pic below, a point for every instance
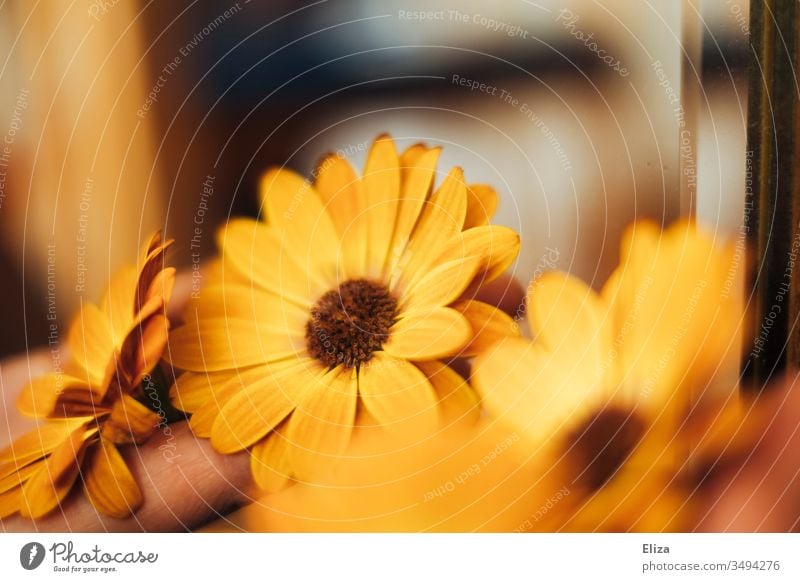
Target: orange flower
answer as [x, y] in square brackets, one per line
[93, 404]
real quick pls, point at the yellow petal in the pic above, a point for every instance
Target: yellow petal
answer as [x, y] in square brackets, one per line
[457, 399]
[303, 227]
[158, 295]
[340, 190]
[442, 285]
[319, 429]
[498, 245]
[254, 251]
[270, 462]
[417, 181]
[143, 347]
[109, 484]
[257, 409]
[253, 303]
[677, 319]
[130, 421]
[9, 502]
[410, 156]
[536, 392]
[202, 420]
[428, 334]
[192, 390]
[226, 387]
[482, 201]
[565, 313]
[50, 484]
[152, 266]
[91, 344]
[40, 397]
[488, 324]
[395, 392]
[211, 345]
[638, 249]
[18, 476]
[382, 189]
[118, 303]
[37, 443]
[441, 220]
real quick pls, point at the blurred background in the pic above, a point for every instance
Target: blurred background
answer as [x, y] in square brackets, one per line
[120, 118]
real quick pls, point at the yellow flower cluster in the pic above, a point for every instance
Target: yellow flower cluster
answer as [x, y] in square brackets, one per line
[342, 341]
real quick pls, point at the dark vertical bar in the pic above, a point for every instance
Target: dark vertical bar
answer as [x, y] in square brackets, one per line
[772, 168]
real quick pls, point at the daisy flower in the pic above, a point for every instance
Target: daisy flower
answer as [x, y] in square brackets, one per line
[94, 405]
[351, 294]
[609, 382]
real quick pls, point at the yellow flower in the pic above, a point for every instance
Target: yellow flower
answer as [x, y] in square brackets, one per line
[470, 477]
[609, 382]
[92, 404]
[351, 294]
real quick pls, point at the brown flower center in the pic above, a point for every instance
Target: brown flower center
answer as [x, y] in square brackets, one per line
[602, 444]
[348, 324]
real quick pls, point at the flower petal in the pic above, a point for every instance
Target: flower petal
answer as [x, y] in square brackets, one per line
[253, 250]
[222, 390]
[270, 462]
[410, 156]
[498, 245]
[91, 344]
[536, 392]
[202, 420]
[566, 314]
[482, 201]
[211, 345]
[257, 409]
[442, 285]
[9, 502]
[158, 295]
[319, 429]
[109, 483]
[428, 334]
[192, 390]
[130, 421]
[40, 398]
[341, 191]
[395, 391]
[118, 303]
[302, 226]
[152, 265]
[488, 323]
[457, 400]
[676, 316]
[441, 219]
[144, 347]
[50, 484]
[253, 303]
[417, 181]
[19, 476]
[382, 188]
[37, 443]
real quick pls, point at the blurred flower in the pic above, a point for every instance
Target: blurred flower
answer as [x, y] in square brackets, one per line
[469, 477]
[608, 385]
[349, 295]
[92, 405]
